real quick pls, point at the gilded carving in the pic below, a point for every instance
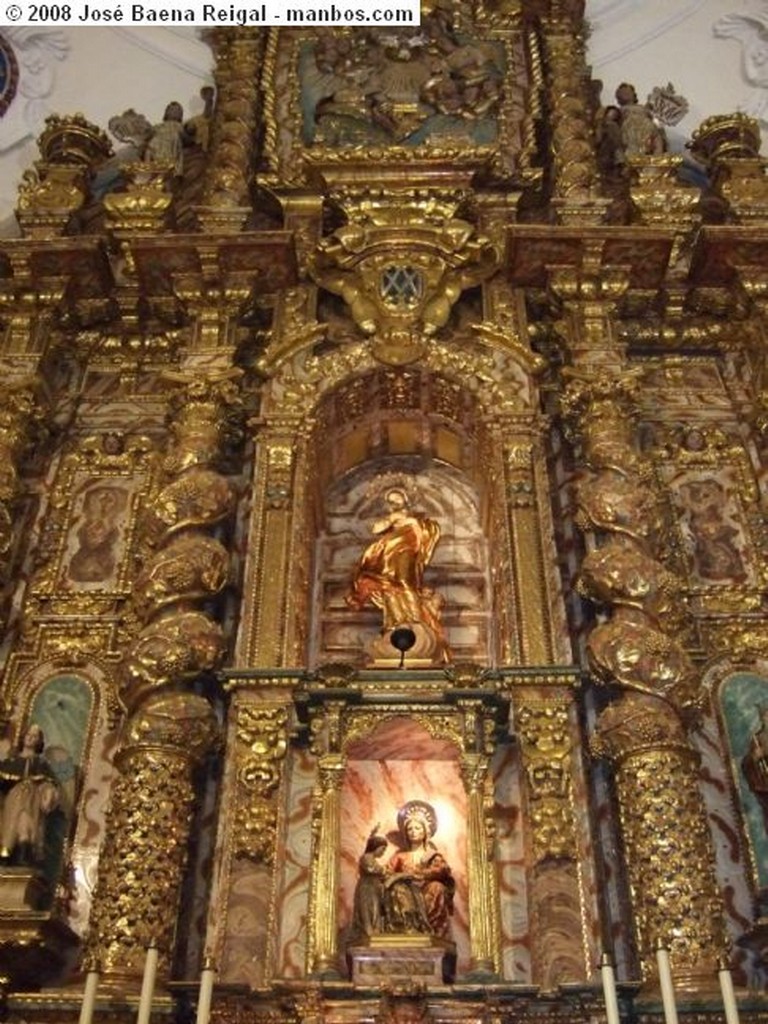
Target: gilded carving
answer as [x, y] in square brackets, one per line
[191, 567]
[546, 752]
[200, 498]
[262, 734]
[142, 863]
[401, 281]
[174, 649]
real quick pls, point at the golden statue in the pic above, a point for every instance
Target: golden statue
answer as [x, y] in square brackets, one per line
[390, 575]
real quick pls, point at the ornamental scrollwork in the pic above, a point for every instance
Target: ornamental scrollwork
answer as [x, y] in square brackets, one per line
[262, 737]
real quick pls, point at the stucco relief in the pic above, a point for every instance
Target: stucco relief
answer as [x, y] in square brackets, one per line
[749, 30]
[38, 52]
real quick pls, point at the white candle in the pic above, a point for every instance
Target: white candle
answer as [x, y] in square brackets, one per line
[729, 996]
[609, 989]
[148, 986]
[206, 993]
[667, 988]
[89, 997]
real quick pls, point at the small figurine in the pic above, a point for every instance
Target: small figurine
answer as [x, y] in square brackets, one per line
[31, 794]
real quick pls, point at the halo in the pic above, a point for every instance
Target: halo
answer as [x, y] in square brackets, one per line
[421, 811]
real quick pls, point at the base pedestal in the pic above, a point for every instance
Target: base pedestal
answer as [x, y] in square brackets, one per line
[423, 958]
[34, 943]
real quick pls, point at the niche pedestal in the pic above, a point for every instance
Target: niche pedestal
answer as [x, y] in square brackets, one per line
[424, 959]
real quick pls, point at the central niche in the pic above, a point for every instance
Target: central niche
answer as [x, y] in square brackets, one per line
[402, 767]
[410, 431]
[455, 576]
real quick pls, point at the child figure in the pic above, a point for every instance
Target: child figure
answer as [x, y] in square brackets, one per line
[368, 915]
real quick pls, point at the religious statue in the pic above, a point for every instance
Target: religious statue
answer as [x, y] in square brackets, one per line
[412, 893]
[754, 764]
[165, 142]
[368, 909]
[640, 134]
[390, 573]
[419, 893]
[31, 793]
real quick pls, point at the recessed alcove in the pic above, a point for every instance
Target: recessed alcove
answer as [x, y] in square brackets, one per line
[399, 427]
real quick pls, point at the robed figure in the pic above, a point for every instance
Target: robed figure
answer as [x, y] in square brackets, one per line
[390, 575]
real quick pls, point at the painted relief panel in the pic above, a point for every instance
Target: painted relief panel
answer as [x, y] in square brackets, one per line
[402, 86]
[89, 528]
[744, 703]
[96, 538]
[716, 528]
[455, 80]
[712, 528]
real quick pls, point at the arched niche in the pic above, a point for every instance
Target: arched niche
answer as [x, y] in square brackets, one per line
[76, 708]
[416, 427]
[744, 709]
[405, 758]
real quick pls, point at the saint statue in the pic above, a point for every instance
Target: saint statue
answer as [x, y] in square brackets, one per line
[390, 573]
[419, 891]
[368, 909]
[31, 794]
[412, 892]
[755, 762]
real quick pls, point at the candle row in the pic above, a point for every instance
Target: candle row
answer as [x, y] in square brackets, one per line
[608, 976]
[204, 998]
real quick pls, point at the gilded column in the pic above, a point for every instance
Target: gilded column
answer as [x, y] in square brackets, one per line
[323, 912]
[666, 837]
[276, 565]
[483, 911]
[574, 161]
[525, 533]
[638, 654]
[142, 863]
[169, 730]
[239, 54]
[19, 409]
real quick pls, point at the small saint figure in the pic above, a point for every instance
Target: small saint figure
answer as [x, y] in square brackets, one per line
[368, 908]
[31, 793]
[390, 573]
[754, 764]
[420, 889]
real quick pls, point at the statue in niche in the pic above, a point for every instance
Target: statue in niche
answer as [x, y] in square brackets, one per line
[755, 762]
[31, 793]
[390, 575]
[368, 909]
[413, 892]
[420, 889]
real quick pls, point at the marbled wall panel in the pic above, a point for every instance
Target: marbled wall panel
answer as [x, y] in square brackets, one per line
[294, 866]
[511, 869]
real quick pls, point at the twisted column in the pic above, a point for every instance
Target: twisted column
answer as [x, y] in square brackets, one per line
[169, 730]
[638, 654]
[226, 196]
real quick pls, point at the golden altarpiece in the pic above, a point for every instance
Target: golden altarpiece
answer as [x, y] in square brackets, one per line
[383, 476]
